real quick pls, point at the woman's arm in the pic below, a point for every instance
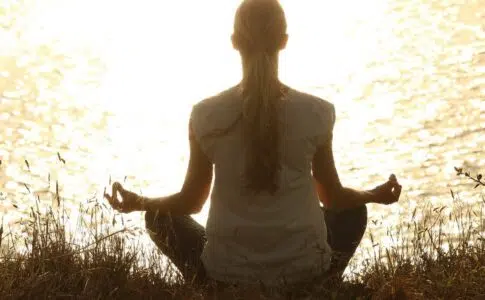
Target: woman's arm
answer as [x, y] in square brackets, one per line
[189, 200]
[334, 196]
[195, 189]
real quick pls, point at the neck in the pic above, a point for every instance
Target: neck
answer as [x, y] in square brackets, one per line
[246, 60]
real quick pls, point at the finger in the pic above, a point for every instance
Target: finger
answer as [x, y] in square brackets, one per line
[108, 197]
[110, 201]
[391, 184]
[397, 191]
[114, 194]
[393, 178]
[121, 191]
[388, 185]
[118, 186]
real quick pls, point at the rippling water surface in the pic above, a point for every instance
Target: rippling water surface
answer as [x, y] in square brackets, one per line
[110, 86]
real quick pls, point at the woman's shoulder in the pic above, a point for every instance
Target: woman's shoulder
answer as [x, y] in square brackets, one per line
[311, 101]
[216, 111]
[225, 97]
[311, 105]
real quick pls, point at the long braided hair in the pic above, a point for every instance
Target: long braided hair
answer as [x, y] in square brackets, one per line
[259, 29]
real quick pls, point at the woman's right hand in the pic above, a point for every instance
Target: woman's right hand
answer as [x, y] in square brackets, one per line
[387, 193]
[130, 201]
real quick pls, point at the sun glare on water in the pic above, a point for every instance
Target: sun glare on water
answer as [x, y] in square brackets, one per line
[109, 86]
[176, 52]
[161, 57]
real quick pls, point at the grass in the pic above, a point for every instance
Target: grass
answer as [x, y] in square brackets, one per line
[436, 254]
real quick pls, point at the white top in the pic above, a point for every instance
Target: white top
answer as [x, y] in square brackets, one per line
[264, 238]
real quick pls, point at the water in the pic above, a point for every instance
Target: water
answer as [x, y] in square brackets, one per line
[112, 92]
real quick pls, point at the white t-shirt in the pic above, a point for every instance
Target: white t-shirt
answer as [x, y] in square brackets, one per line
[270, 239]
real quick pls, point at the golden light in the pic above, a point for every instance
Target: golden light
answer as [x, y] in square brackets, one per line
[178, 52]
[162, 57]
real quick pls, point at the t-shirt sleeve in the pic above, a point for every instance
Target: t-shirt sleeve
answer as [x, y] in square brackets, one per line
[326, 123]
[195, 125]
[199, 126]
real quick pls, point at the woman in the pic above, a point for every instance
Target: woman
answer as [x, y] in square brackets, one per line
[270, 148]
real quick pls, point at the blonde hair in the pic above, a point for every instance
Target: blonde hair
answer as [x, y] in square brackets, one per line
[259, 29]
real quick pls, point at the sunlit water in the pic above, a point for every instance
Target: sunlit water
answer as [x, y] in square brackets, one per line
[407, 79]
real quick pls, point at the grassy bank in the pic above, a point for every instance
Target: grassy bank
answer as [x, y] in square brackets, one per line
[439, 253]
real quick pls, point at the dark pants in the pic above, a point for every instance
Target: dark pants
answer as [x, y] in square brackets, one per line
[182, 239]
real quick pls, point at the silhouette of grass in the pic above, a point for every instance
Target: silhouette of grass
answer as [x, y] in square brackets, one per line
[437, 254]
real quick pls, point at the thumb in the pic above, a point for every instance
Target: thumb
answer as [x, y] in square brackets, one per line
[117, 187]
[397, 191]
[393, 178]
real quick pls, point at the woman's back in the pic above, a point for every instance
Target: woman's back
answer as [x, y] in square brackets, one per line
[271, 149]
[264, 237]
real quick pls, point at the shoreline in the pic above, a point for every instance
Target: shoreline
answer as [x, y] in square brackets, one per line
[433, 264]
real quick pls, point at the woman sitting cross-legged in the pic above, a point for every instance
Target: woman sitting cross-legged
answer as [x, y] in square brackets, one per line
[270, 149]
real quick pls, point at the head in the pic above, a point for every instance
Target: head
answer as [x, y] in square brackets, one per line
[259, 26]
[259, 35]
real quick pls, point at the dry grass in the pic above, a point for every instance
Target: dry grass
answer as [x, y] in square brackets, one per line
[439, 254]
[442, 256]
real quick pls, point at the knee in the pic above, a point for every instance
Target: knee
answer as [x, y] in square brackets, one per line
[149, 219]
[362, 212]
[154, 221]
[355, 220]
[360, 216]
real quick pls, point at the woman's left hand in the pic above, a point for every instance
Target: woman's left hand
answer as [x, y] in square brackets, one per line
[130, 201]
[389, 192]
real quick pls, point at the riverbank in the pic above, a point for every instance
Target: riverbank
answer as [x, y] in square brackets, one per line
[441, 256]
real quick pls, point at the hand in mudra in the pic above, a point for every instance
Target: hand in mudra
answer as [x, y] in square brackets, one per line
[130, 201]
[389, 192]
